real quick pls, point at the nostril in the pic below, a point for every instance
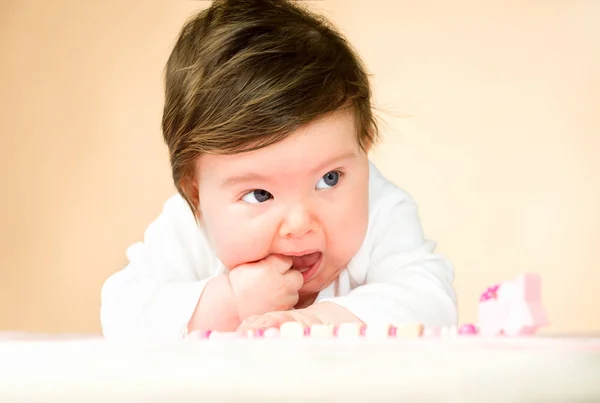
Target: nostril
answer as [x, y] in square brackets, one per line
[297, 223]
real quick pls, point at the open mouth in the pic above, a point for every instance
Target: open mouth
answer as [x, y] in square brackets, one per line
[307, 264]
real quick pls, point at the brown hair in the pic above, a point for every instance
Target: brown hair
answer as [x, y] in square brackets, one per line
[243, 74]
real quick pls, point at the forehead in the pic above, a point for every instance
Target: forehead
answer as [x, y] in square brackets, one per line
[304, 150]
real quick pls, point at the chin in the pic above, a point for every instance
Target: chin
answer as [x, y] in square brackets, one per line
[315, 285]
[309, 289]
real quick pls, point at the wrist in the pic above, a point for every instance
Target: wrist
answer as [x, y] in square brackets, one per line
[217, 308]
[234, 306]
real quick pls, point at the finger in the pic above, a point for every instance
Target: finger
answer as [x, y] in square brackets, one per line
[259, 322]
[293, 279]
[279, 263]
[275, 319]
[290, 301]
[250, 319]
[247, 323]
[256, 320]
[306, 320]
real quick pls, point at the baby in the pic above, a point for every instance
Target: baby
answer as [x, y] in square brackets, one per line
[280, 215]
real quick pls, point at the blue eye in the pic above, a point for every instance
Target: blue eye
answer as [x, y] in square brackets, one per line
[330, 179]
[257, 196]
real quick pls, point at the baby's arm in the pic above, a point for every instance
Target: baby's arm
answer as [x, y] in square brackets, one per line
[216, 309]
[157, 293]
[175, 284]
[248, 290]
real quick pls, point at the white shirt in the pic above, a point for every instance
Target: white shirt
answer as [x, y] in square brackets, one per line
[394, 278]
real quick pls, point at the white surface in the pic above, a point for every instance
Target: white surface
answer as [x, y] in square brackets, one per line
[455, 370]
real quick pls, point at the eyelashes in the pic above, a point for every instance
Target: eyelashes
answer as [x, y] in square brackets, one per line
[331, 178]
[259, 196]
[328, 181]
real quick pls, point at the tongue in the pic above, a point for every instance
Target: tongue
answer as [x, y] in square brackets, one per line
[305, 261]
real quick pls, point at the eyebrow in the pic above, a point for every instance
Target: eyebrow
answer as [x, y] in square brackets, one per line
[256, 177]
[346, 156]
[247, 177]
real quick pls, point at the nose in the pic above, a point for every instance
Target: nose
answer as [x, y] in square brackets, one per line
[297, 222]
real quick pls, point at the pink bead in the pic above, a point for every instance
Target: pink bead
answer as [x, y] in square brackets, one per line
[307, 331]
[205, 334]
[392, 332]
[259, 333]
[363, 330]
[200, 334]
[467, 329]
[254, 333]
[432, 332]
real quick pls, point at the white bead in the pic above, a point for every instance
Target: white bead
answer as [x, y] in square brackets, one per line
[321, 331]
[291, 330]
[223, 336]
[349, 330]
[449, 331]
[432, 332]
[377, 331]
[409, 331]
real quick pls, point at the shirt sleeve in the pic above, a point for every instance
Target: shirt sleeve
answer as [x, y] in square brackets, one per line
[406, 282]
[156, 293]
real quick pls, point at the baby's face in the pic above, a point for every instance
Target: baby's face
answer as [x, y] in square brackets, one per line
[306, 197]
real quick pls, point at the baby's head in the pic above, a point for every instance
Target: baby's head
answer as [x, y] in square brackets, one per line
[268, 121]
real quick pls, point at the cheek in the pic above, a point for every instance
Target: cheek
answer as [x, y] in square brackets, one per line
[348, 227]
[235, 238]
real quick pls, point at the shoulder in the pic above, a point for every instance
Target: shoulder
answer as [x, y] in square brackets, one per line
[176, 240]
[385, 196]
[393, 214]
[175, 220]
[393, 223]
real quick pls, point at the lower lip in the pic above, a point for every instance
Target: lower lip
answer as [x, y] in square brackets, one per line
[310, 272]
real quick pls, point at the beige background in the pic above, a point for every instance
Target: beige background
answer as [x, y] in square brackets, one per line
[492, 121]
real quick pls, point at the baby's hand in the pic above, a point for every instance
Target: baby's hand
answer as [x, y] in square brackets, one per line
[274, 319]
[265, 286]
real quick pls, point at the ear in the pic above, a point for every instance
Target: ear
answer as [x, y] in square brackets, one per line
[189, 187]
[367, 146]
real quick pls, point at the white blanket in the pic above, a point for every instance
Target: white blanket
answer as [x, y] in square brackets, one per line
[74, 368]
